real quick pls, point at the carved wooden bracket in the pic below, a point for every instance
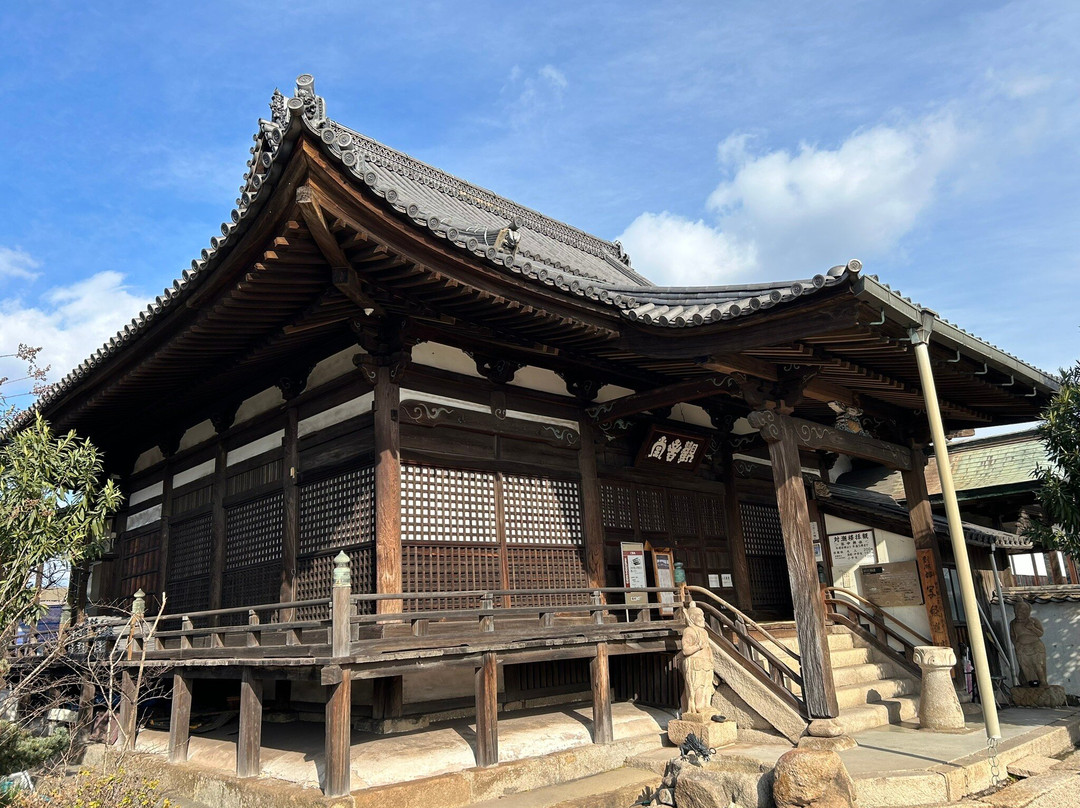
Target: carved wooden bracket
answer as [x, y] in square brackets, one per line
[292, 384]
[430, 414]
[771, 424]
[583, 388]
[497, 370]
[222, 418]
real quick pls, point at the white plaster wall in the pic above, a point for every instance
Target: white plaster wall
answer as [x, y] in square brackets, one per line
[541, 379]
[200, 433]
[259, 403]
[143, 494]
[255, 448]
[610, 391]
[333, 367]
[335, 415]
[151, 457]
[190, 475]
[1061, 627]
[691, 414]
[445, 357]
[890, 547]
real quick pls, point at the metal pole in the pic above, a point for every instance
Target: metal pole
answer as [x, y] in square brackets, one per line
[1004, 617]
[920, 338]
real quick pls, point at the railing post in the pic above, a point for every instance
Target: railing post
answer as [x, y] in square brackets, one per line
[186, 625]
[254, 636]
[138, 614]
[487, 621]
[180, 720]
[600, 677]
[597, 612]
[340, 628]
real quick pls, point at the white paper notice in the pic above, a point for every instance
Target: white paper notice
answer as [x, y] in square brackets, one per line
[714, 581]
[726, 581]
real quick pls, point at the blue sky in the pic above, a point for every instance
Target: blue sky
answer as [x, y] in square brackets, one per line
[721, 142]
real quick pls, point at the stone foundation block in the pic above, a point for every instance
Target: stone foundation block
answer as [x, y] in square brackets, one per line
[1048, 696]
[714, 734]
[1032, 765]
[836, 744]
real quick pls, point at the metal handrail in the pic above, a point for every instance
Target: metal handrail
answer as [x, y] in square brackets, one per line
[878, 611]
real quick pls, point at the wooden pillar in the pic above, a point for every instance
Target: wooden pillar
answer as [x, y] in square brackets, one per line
[487, 709]
[217, 526]
[818, 689]
[1053, 568]
[166, 513]
[129, 709]
[741, 567]
[388, 701]
[590, 505]
[928, 553]
[338, 736]
[249, 743]
[180, 718]
[290, 537]
[86, 706]
[387, 490]
[601, 696]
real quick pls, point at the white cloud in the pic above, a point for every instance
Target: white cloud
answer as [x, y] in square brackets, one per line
[530, 96]
[17, 263]
[69, 323]
[793, 214]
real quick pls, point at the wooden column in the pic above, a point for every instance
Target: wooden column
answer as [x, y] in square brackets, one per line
[818, 689]
[741, 567]
[249, 743]
[129, 709]
[166, 513]
[180, 718]
[601, 696]
[338, 736]
[487, 709]
[217, 526]
[290, 537]
[928, 553]
[590, 505]
[387, 489]
[388, 701]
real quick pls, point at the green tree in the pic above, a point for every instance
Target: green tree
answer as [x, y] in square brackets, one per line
[54, 507]
[1058, 525]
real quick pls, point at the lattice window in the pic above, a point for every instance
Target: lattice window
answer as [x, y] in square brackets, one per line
[315, 576]
[615, 506]
[253, 532]
[434, 568]
[547, 568]
[541, 511]
[250, 586]
[257, 477]
[769, 587]
[650, 508]
[196, 498]
[447, 505]
[338, 511]
[140, 559]
[683, 514]
[712, 515]
[189, 595]
[189, 548]
[762, 534]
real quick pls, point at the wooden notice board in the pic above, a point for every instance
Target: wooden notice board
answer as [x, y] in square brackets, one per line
[634, 574]
[663, 561]
[893, 584]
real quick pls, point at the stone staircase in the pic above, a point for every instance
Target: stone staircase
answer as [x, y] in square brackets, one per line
[871, 689]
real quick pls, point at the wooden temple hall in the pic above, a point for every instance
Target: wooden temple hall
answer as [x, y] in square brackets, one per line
[398, 446]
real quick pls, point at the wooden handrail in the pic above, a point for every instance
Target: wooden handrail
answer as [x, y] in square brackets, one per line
[746, 619]
[877, 610]
[495, 593]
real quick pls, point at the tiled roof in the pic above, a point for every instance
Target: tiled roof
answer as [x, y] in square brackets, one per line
[978, 464]
[872, 502]
[1060, 593]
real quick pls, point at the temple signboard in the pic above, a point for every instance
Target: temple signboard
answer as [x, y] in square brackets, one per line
[893, 584]
[852, 548]
[672, 448]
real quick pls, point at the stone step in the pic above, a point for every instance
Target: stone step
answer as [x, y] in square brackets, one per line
[845, 675]
[613, 789]
[845, 658]
[878, 714]
[838, 641]
[873, 692]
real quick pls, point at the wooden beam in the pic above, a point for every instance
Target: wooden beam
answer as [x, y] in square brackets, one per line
[820, 437]
[338, 742]
[180, 718]
[487, 709]
[928, 555]
[592, 522]
[387, 489]
[818, 689]
[600, 676]
[165, 530]
[665, 396]
[249, 743]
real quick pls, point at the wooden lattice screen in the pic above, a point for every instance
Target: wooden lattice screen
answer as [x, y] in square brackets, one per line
[253, 531]
[764, 541]
[188, 588]
[336, 513]
[140, 563]
[453, 539]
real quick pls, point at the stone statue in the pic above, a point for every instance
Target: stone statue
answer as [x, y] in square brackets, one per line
[1026, 632]
[697, 663]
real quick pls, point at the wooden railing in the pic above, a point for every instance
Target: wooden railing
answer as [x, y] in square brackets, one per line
[888, 634]
[730, 629]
